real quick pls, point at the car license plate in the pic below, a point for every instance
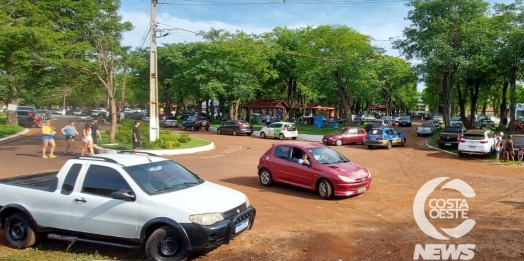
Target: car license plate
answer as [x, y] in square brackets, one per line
[448, 144]
[361, 190]
[471, 147]
[325, 140]
[243, 225]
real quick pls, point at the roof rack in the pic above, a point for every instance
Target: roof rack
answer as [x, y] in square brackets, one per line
[95, 158]
[137, 152]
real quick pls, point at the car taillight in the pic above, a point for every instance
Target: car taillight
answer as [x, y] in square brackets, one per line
[438, 138]
[483, 141]
[458, 137]
[196, 123]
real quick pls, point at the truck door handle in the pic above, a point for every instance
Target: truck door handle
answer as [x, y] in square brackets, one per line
[80, 200]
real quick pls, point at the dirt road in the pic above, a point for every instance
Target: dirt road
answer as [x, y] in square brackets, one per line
[294, 224]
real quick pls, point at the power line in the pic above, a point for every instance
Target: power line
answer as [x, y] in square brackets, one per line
[339, 2]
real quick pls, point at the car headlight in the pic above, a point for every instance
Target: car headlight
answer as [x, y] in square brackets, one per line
[206, 219]
[346, 179]
[248, 203]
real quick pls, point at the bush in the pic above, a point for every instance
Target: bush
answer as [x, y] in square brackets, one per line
[182, 140]
[186, 137]
[167, 140]
[121, 137]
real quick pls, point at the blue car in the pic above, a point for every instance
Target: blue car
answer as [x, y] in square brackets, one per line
[384, 137]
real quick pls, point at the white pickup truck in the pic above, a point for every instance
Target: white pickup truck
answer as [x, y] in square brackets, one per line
[128, 201]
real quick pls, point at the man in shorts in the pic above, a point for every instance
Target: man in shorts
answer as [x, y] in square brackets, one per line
[136, 136]
[70, 131]
[95, 133]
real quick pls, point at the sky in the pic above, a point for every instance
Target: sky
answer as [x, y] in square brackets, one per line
[381, 19]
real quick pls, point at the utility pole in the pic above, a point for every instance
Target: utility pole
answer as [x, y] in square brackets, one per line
[154, 124]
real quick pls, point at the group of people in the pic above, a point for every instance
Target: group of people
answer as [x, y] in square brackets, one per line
[90, 135]
[507, 149]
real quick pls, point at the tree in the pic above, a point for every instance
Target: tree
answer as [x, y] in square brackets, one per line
[436, 36]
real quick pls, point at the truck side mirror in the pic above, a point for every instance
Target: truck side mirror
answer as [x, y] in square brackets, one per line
[123, 195]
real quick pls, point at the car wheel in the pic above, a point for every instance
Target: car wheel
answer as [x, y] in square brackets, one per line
[163, 125]
[219, 131]
[19, 232]
[234, 133]
[249, 133]
[338, 142]
[281, 136]
[403, 144]
[192, 128]
[207, 128]
[266, 178]
[325, 189]
[294, 138]
[262, 135]
[165, 244]
[388, 145]
[370, 146]
[418, 134]
[461, 155]
[440, 146]
[184, 127]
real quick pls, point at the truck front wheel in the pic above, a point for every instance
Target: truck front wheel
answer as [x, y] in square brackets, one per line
[19, 231]
[165, 244]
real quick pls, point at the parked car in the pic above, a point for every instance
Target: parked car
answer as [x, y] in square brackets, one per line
[384, 137]
[282, 130]
[438, 118]
[77, 112]
[196, 123]
[143, 200]
[45, 115]
[518, 141]
[28, 119]
[396, 118]
[145, 117]
[426, 128]
[95, 113]
[404, 121]
[435, 123]
[383, 123]
[235, 127]
[26, 108]
[326, 171]
[350, 135]
[450, 137]
[485, 123]
[476, 142]
[169, 121]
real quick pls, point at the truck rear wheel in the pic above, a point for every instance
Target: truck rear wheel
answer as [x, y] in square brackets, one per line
[19, 232]
[165, 244]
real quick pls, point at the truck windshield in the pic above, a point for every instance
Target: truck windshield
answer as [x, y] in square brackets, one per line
[162, 176]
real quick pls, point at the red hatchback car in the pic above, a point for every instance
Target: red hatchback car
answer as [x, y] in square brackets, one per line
[351, 135]
[315, 167]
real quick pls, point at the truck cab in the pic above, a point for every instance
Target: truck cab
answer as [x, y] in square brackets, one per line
[128, 201]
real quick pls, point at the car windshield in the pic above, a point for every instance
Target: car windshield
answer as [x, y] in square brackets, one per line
[327, 155]
[453, 129]
[427, 125]
[156, 177]
[404, 117]
[341, 131]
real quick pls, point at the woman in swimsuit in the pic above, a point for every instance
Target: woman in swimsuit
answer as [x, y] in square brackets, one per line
[87, 139]
[47, 138]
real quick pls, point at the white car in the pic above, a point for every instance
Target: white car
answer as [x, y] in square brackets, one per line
[476, 142]
[282, 130]
[141, 200]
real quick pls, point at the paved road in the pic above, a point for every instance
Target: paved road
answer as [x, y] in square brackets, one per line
[293, 224]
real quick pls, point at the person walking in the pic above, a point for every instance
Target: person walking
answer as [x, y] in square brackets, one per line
[510, 148]
[47, 138]
[95, 133]
[87, 140]
[136, 136]
[70, 132]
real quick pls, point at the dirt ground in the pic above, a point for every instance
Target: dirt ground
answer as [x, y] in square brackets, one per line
[294, 224]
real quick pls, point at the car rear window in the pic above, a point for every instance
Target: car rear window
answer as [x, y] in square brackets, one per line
[518, 140]
[375, 132]
[170, 118]
[471, 136]
[453, 130]
[23, 113]
[291, 127]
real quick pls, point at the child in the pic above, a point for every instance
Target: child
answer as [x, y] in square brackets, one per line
[497, 151]
[520, 155]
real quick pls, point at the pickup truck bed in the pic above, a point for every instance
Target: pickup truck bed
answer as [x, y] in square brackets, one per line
[46, 181]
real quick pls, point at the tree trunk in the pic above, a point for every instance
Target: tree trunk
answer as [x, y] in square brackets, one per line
[12, 98]
[346, 100]
[233, 109]
[484, 108]
[473, 96]
[512, 97]
[462, 99]
[112, 107]
[504, 105]
[447, 93]
[291, 96]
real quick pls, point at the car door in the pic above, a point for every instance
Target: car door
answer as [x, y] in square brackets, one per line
[226, 128]
[396, 137]
[94, 211]
[361, 135]
[350, 136]
[272, 129]
[303, 176]
[279, 164]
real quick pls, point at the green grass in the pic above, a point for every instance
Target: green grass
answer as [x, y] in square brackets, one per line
[194, 142]
[7, 130]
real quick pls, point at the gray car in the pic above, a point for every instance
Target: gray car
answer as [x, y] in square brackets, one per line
[169, 121]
